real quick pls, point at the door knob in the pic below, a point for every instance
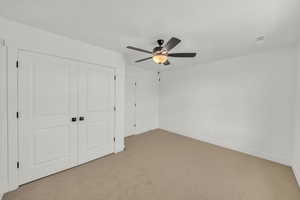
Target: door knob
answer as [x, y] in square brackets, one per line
[73, 119]
[81, 118]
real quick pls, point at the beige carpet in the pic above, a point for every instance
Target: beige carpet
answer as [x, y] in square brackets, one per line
[162, 166]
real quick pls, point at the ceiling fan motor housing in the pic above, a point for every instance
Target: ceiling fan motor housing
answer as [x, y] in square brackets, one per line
[157, 49]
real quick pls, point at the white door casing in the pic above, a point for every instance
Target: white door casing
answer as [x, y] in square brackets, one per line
[52, 91]
[96, 106]
[3, 118]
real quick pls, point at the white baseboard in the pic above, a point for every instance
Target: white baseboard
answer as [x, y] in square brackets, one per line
[252, 152]
[297, 174]
[143, 131]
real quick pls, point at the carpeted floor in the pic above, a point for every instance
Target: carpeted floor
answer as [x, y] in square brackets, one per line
[162, 166]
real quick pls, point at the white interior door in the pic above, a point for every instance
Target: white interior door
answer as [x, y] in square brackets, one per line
[47, 102]
[130, 106]
[96, 107]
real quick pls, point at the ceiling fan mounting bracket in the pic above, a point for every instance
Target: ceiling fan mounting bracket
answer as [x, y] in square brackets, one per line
[160, 42]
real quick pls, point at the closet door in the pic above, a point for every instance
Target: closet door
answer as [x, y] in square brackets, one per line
[96, 112]
[47, 104]
[130, 106]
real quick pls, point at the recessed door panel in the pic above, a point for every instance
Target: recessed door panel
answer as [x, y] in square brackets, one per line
[94, 139]
[47, 101]
[54, 100]
[44, 142]
[96, 104]
[98, 90]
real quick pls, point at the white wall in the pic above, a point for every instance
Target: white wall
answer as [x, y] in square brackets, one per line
[296, 153]
[146, 99]
[18, 36]
[243, 103]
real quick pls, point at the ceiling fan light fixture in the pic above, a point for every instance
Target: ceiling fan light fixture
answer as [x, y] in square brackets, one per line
[160, 58]
[160, 53]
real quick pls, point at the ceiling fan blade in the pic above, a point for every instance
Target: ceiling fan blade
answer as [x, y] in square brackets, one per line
[167, 63]
[141, 60]
[182, 55]
[172, 43]
[138, 49]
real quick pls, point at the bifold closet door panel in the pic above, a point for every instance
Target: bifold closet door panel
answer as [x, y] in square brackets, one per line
[96, 107]
[47, 102]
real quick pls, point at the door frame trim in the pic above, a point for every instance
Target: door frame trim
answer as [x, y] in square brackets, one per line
[3, 123]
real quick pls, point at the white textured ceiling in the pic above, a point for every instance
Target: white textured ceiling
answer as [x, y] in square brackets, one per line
[214, 29]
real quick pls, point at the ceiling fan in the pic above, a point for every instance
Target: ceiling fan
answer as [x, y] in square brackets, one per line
[161, 53]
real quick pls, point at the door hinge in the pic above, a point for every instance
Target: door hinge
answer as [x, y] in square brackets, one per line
[17, 115]
[135, 105]
[158, 73]
[18, 165]
[17, 64]
[114, 139]
[134, 125]
[134, 83]
[115, 108]
[115, 77]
